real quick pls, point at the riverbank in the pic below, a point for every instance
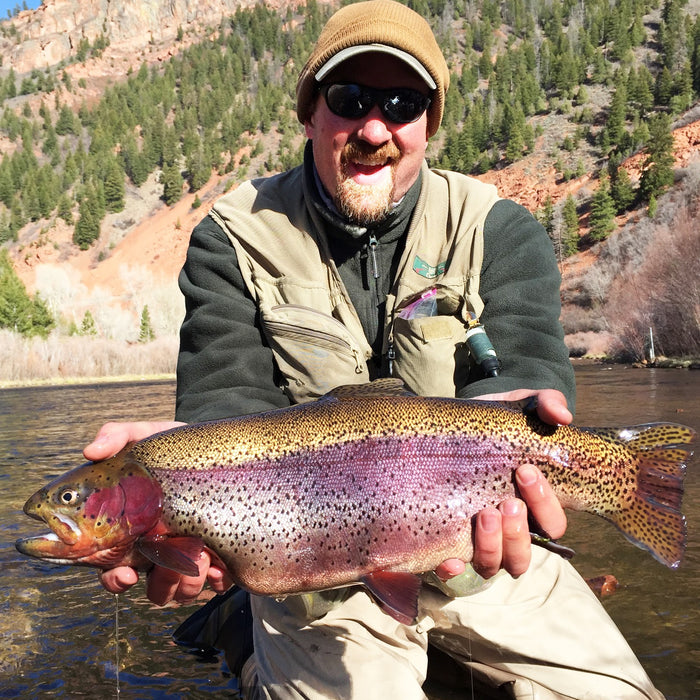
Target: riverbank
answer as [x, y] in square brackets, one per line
[661, 363]
[78, 381]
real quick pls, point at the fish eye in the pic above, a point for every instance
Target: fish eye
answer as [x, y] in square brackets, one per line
[68, 497]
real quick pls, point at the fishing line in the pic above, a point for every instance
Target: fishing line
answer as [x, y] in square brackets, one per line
[116, 641]
[469, 648]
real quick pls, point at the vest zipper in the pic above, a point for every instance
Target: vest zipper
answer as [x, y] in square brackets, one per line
[329, 339]
[372, 245]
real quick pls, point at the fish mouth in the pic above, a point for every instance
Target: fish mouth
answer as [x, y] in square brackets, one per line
[58, 545]
[63, 544]
[39, 545]
[62, 528]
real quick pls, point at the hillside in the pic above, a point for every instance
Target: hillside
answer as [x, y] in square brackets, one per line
[86, 48]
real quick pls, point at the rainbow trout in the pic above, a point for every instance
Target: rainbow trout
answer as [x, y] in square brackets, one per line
[368, 484]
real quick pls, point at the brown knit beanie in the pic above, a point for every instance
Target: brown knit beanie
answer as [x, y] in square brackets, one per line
[378, 25]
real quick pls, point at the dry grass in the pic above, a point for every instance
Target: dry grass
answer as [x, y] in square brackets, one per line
[59, 359]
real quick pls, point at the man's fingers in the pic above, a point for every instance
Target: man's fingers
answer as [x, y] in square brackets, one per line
[488, 542]
[516, 537]
[502, 539]
[450, 568]
[552, 408]
[119, 579]
[165, 585]
[543, 505]
[111, 437]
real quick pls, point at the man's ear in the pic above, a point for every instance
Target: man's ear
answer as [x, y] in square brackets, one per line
[309, 127]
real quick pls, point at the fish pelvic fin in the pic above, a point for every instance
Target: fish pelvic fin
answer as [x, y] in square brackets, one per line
[653, 519]
[396, 593]
[176, 553]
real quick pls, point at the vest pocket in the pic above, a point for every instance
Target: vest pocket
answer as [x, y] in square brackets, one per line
[313, 350]
[431, 354]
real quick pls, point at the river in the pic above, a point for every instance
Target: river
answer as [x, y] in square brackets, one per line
[57, 623]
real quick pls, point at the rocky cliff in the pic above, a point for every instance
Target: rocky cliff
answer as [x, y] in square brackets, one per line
[50, 34]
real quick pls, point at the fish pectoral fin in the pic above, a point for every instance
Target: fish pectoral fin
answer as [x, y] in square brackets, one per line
[396, 593]
[177, 553]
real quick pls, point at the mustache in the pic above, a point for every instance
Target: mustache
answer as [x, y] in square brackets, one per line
[359, 151]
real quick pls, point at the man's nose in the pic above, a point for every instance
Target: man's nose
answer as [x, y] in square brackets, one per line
[373, 128]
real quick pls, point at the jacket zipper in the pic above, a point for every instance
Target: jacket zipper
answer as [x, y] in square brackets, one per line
[372, 245]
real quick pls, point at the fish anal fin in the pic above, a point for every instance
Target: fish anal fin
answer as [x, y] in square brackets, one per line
[396, 593]
[176, 553]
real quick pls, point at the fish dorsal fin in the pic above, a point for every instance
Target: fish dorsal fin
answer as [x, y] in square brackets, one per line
[388, 386]
[396, 593]
[177, 553]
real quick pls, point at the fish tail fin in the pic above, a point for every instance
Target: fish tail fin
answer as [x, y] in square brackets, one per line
[652, 518]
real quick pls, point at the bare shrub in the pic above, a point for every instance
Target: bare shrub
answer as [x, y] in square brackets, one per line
[116, 317]
[663, 292]
[576, 319]
[589, 344]
[30, 359]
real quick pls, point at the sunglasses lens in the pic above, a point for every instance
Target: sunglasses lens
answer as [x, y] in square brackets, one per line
[348, 101]
[351, 101]
[404, 106]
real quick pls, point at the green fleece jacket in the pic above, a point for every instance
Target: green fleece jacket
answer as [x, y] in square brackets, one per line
[225, 367]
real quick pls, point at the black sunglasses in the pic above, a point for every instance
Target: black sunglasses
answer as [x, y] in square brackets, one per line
[352, 101]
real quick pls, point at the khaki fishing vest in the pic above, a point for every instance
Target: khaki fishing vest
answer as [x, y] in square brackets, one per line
[305, 311]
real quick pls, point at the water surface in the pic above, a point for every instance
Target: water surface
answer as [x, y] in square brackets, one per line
[57, 623]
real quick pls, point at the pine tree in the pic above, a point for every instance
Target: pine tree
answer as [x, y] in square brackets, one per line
[615, 125]
[663, 88]
[621, 189]
[546, 216]
[88, 327]
[198, 171]
[657, 169]
[66, 122]
[602, 218]
[87, 229]
[65, 208]
[135, 165]
[146, 332]
[570, 237]
[114, 188]
[42, 321]
[172, 184]
[18, 311]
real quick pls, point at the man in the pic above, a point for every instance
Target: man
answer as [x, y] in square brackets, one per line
[304, 281]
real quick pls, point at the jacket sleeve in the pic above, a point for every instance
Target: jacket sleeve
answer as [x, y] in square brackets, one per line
[520, 284]
[224, 367]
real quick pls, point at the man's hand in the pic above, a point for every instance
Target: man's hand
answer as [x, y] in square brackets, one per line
[111, 437]
[163, 585]
[502, 534]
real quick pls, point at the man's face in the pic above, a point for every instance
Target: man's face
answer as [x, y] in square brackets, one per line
[369, 163]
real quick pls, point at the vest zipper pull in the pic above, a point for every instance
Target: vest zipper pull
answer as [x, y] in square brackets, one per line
[358, 361]
[372, 244]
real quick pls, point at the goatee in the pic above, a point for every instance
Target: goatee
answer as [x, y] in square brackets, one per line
[366, 204]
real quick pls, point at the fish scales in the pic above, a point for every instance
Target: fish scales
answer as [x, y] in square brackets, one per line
[367, 483]
[382, 503]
